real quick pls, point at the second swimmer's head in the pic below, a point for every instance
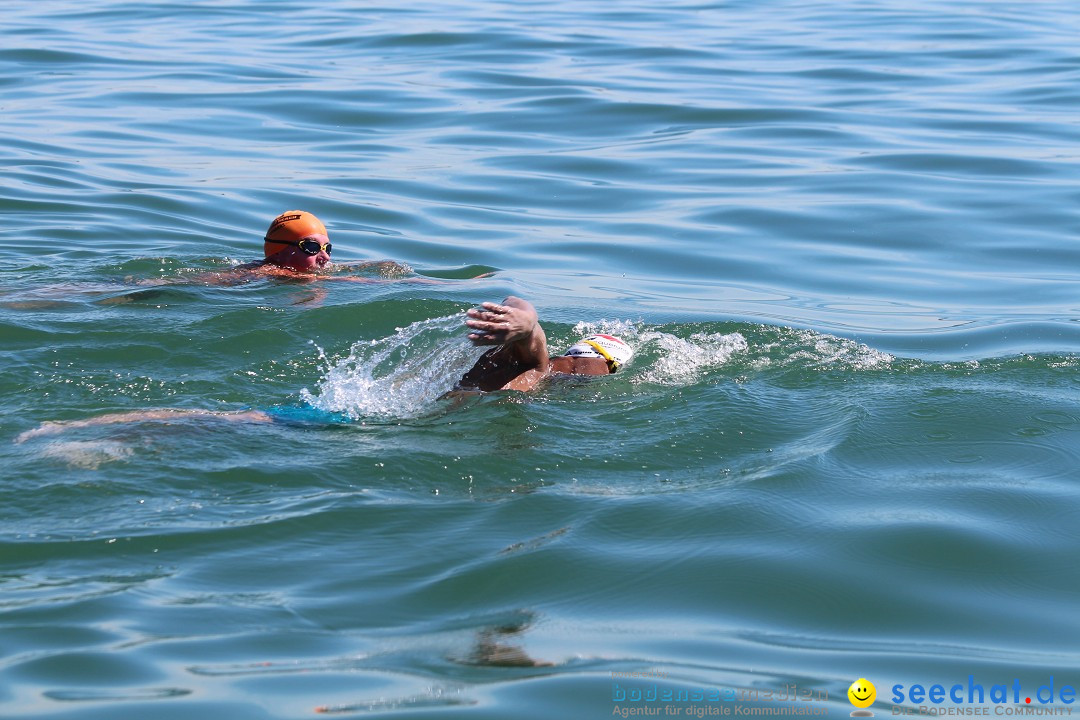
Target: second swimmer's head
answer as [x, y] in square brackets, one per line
[613, 349]
[297, 240]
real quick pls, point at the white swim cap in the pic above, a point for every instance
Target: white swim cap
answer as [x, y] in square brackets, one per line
[609, 347]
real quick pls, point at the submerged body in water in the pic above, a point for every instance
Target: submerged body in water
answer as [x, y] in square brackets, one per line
[519, 362]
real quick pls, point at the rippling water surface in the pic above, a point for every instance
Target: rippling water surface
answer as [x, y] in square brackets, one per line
[842, 238]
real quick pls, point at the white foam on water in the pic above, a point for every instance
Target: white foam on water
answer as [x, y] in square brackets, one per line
[85, 455]
[815, 350]
[399, 376]
[683, 360]
[677, 361]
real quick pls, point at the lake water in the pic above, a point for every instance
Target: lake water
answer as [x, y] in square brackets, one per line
[843, 238]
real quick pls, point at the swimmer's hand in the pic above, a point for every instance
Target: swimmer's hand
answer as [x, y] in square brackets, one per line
[494, 324]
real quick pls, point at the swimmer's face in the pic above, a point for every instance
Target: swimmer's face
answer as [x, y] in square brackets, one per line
[294, 258]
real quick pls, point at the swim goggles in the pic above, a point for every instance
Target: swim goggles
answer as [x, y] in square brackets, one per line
[612, 363]
[309, 245]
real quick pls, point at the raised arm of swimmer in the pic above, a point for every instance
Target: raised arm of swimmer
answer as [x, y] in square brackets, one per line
[521, 358]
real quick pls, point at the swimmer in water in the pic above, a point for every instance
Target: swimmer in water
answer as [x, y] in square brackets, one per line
[521, 359]
[297, 241]
[297, 245]
[519, 362]
[296, 248]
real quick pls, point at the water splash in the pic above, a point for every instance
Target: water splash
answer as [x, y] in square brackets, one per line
[86, 455]
[814, 350]
[399, 376]
[402, 375]
[684, 360]
[663, 358]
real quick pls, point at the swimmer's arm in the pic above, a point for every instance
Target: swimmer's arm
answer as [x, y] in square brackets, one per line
[414, 279]
[232, 276]
[392, 268]
[520, 361]
[421, 280]
[514, 323]
[242, 275]
[386, 266]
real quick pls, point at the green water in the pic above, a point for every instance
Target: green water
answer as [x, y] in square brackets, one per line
[840, 237]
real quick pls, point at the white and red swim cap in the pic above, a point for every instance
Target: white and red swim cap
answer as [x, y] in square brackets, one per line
[609, 347]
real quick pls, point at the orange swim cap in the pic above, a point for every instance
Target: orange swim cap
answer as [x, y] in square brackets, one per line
[290, 226]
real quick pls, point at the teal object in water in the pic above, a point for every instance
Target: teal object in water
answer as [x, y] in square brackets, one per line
[305, 416]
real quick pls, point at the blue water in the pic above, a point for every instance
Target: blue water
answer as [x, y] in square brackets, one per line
[842, 238]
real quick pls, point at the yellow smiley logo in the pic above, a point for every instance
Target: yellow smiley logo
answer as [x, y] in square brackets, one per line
[862, 693]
